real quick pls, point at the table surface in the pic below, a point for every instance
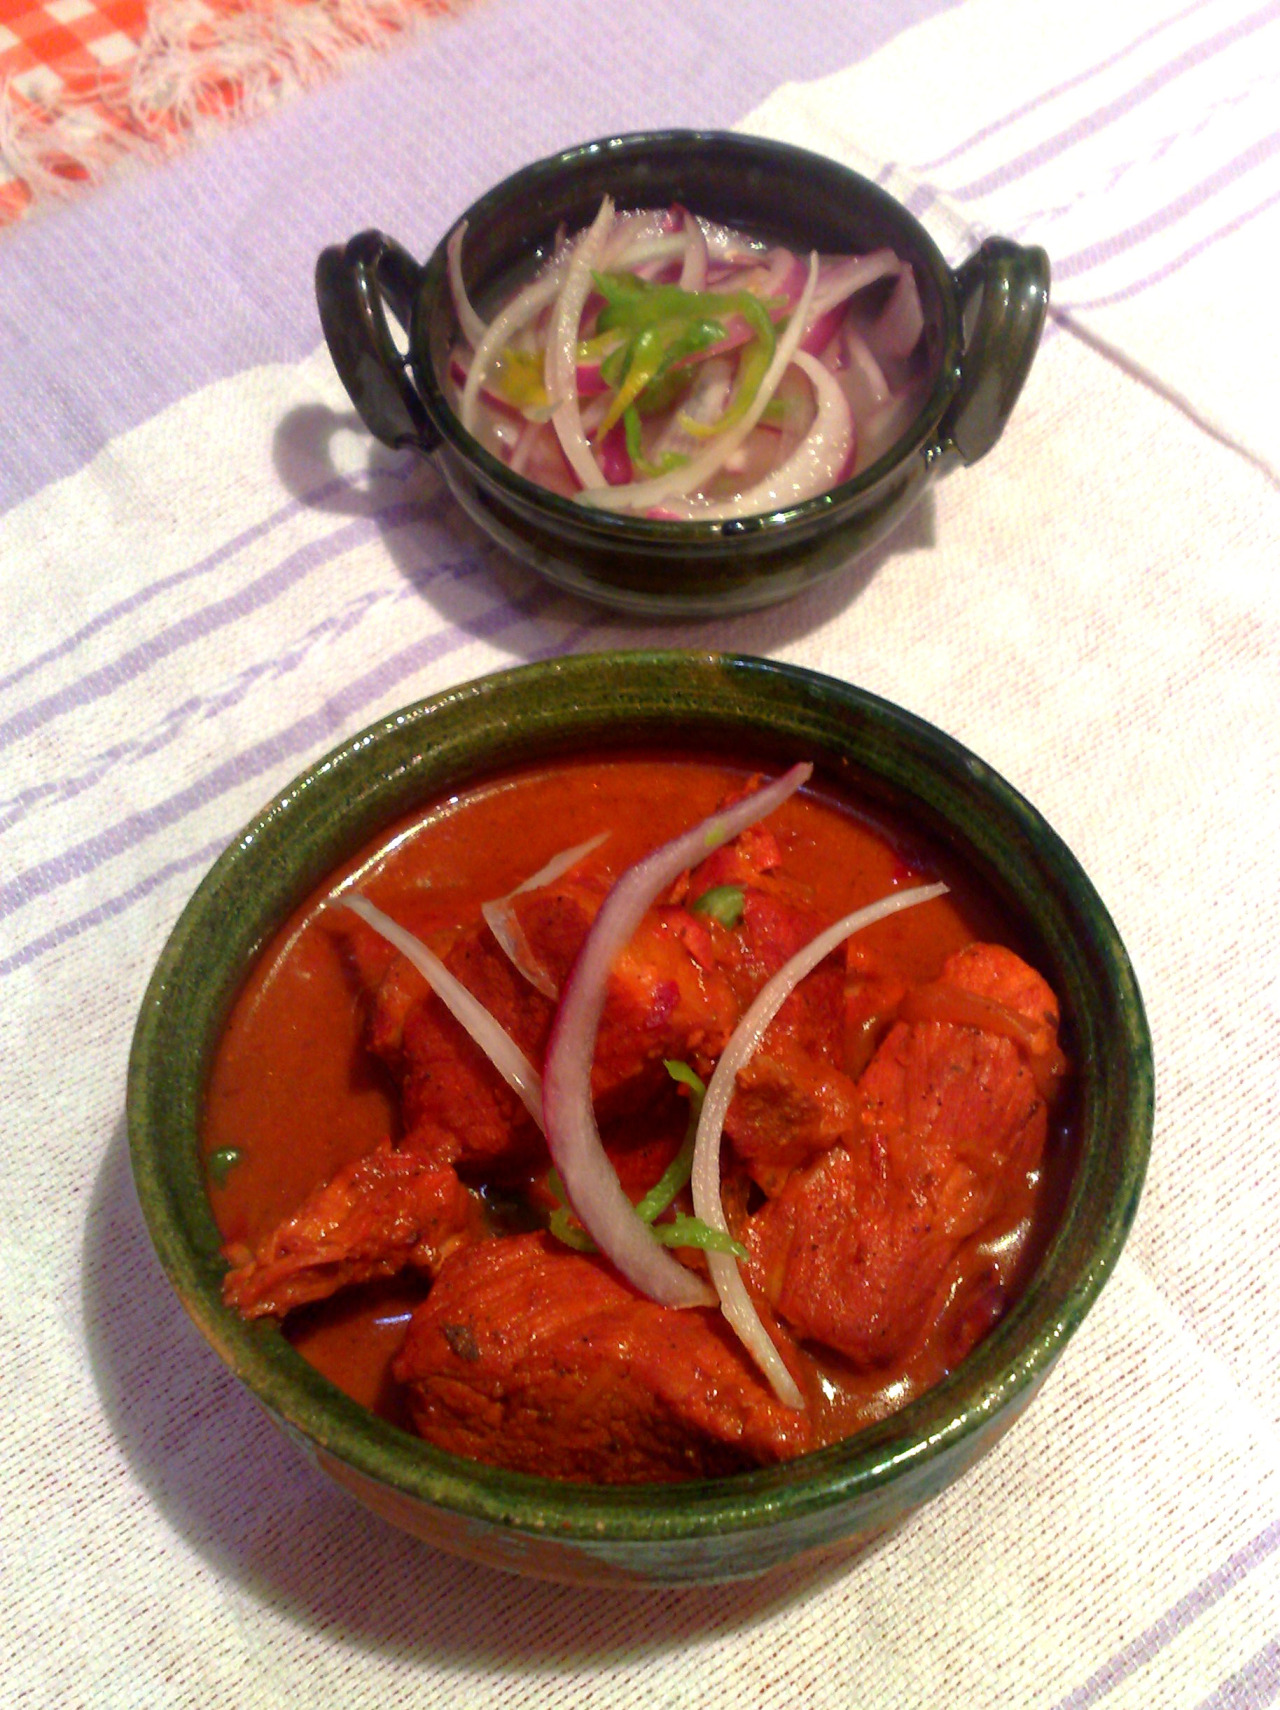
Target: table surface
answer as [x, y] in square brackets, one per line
[211, 575]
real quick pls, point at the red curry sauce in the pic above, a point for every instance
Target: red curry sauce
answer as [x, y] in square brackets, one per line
[295, 1093]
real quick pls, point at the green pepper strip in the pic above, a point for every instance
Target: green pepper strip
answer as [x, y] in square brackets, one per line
[723, 903]
[635, 448]
[752, 368]
[681, 1231]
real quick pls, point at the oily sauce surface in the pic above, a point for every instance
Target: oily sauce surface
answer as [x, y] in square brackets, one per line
[294, 1094]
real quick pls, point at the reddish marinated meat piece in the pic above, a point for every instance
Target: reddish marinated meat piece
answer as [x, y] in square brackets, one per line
[542, 1360]
[872, 997]
[448, 1081]
[854, 1249]
[387, 1210]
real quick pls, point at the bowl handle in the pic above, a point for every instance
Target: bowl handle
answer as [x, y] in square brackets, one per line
[1003, 290]
[354, 283]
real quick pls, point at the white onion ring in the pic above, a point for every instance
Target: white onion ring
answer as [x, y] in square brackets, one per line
[561, 367]
[642, 495]
[813, 467]
[589, 1178]
[473, 328]
[506, 928]
[735, 1302]
[466, 1009]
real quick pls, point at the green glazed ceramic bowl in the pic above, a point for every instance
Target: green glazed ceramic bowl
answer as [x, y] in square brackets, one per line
[982, 326]
[720, 1529]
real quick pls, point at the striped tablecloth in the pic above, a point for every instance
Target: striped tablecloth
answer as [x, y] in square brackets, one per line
[211, 575]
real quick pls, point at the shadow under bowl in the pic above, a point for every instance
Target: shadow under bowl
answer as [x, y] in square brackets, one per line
[903, 769]
[982, 324]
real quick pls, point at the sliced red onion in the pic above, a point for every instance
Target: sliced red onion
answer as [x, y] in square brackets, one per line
[467, 1010]
[641, 495]
[841, 280]
[506, 928]
[735, 1302]
[589, 1178]
[524, 445]
[562, 346]
[473, 328]
[902, 320]
[693, 269]
[815, 466]
[866, 372]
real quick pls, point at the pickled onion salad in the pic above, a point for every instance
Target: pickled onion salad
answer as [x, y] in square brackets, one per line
[660, 365]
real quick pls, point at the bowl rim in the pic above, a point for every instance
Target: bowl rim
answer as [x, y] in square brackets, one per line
[433, 746]
[607, 528]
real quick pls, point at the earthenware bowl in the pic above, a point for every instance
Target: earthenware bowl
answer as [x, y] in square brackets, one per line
[752, 1522]
[982, 325]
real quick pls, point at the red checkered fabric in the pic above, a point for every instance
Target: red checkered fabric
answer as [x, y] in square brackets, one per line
[66, 101]
[59, 46]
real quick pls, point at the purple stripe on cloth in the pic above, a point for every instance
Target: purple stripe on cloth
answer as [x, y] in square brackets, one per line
[299, 737]
[1140, 1651]
[176, 720]
[1178, 262]
[142, 596]
[1133, 98]
[1064, 88]
[327, 722]
[38, 947]
[1250, 1688]
[106, 679]
[209, 258]
[1227, 175]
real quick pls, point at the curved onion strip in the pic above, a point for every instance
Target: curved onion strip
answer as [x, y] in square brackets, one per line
[562, 347]
[734, 1300]
[473, 328]
[841, 279]
[860, 358]
[693, 269]
[524, 445]
[813, 467]
[902, 319]
[523, 308]
[640, 495]
[506, 928]
[589, 1178]
[496, 1043]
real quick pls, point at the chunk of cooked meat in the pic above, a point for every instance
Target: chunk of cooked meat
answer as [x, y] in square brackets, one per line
[386, 1211]
[534, 1358]
[852, 1251]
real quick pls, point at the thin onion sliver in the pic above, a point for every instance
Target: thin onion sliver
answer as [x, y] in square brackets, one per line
[467, 1010]
[589, 1178]
[560, 366]
[473, 328]
[506, 928]
[735, 1302]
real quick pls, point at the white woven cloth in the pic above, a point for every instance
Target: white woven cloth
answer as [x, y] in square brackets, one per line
[231, 587]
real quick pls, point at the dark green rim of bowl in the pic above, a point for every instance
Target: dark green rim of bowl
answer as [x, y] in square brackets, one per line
[612, 154]
[774, 713]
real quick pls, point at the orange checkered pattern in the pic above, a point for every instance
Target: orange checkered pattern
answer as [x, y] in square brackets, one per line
[71, 60]
[58, 47]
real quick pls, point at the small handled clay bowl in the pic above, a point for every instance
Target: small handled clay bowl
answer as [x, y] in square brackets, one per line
[982, 326]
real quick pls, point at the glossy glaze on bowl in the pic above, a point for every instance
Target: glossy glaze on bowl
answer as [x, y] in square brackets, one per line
[982, 326]
[690, 1532]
